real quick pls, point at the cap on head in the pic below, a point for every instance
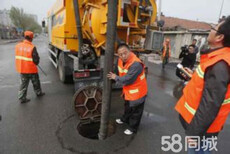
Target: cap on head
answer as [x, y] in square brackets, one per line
[29, 34]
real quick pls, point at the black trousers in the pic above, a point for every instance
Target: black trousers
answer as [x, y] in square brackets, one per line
[132, 115]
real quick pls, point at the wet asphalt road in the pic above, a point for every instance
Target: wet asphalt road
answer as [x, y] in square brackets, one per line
[48, 124]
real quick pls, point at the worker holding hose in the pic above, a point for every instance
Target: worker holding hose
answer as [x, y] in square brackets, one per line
[26, 59]
[132, 77]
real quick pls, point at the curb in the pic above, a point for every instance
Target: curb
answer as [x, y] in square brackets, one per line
[9, 41]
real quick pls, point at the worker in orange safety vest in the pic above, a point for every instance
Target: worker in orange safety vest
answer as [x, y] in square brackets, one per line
[26, 59]
[132, 77]
[205, 103]
[166, 52]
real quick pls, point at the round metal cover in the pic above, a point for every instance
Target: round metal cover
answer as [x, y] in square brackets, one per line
[87, 102]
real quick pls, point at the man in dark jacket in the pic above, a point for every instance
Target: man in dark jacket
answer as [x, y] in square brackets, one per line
[196, 49]
[188, 61]
[204, 114]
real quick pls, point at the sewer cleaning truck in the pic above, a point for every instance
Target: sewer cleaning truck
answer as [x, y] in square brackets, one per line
[77, 37]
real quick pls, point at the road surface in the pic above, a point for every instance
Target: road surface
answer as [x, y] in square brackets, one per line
[48, 125]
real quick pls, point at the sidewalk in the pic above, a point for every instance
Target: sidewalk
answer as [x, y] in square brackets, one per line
[2, 42]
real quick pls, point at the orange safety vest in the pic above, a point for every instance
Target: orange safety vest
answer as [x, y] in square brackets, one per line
[192, 93]
[165, 49]
[23, 57]
[138, 89]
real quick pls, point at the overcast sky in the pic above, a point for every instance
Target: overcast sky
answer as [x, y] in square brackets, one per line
[202, 10]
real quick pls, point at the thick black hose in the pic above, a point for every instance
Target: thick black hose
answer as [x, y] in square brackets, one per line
[79, 30]
[109, 54]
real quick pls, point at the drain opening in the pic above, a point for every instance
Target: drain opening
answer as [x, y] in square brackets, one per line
[91, 130]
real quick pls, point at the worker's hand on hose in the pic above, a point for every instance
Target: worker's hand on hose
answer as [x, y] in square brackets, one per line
[111, 76]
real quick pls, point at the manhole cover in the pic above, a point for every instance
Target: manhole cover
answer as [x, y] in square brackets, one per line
[87, 102]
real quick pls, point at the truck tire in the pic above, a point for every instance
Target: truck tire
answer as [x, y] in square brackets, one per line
[61, 68]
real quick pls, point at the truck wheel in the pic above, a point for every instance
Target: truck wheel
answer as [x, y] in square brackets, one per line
[61, 68]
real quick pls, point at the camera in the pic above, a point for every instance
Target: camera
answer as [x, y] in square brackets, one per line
[184, 48]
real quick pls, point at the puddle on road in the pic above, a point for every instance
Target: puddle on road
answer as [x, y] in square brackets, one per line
[154, 117]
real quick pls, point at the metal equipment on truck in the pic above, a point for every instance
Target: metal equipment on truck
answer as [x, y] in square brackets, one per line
[77, 36]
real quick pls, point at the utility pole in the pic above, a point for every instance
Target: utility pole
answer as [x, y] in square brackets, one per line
[221, 10]
[159, 10]
[108, 63]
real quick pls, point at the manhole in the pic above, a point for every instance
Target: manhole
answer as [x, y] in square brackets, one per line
[91, 130]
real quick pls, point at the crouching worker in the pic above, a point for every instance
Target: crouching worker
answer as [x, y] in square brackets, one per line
[132, 77]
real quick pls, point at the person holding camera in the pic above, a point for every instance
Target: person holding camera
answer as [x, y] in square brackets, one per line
[188, 61]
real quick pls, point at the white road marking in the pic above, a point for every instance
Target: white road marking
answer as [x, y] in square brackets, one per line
[17, 85]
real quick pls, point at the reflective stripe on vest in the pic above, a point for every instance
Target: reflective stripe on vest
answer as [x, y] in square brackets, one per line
[122, 70]
[189, 108]
[200, 72]
[143, 76]
[226, 101]
[23, 58]
[133, 91]
[193, 111]
[138, 88]
[125, 71]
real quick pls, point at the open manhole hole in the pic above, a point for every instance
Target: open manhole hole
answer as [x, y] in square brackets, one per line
[91, 130]
[87, 103]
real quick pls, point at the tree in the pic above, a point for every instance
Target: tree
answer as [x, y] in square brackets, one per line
[23, 20]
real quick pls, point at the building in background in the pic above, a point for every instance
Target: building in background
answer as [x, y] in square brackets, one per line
[181, 32]
[6, 26]
[5, 18]
[177, 24]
